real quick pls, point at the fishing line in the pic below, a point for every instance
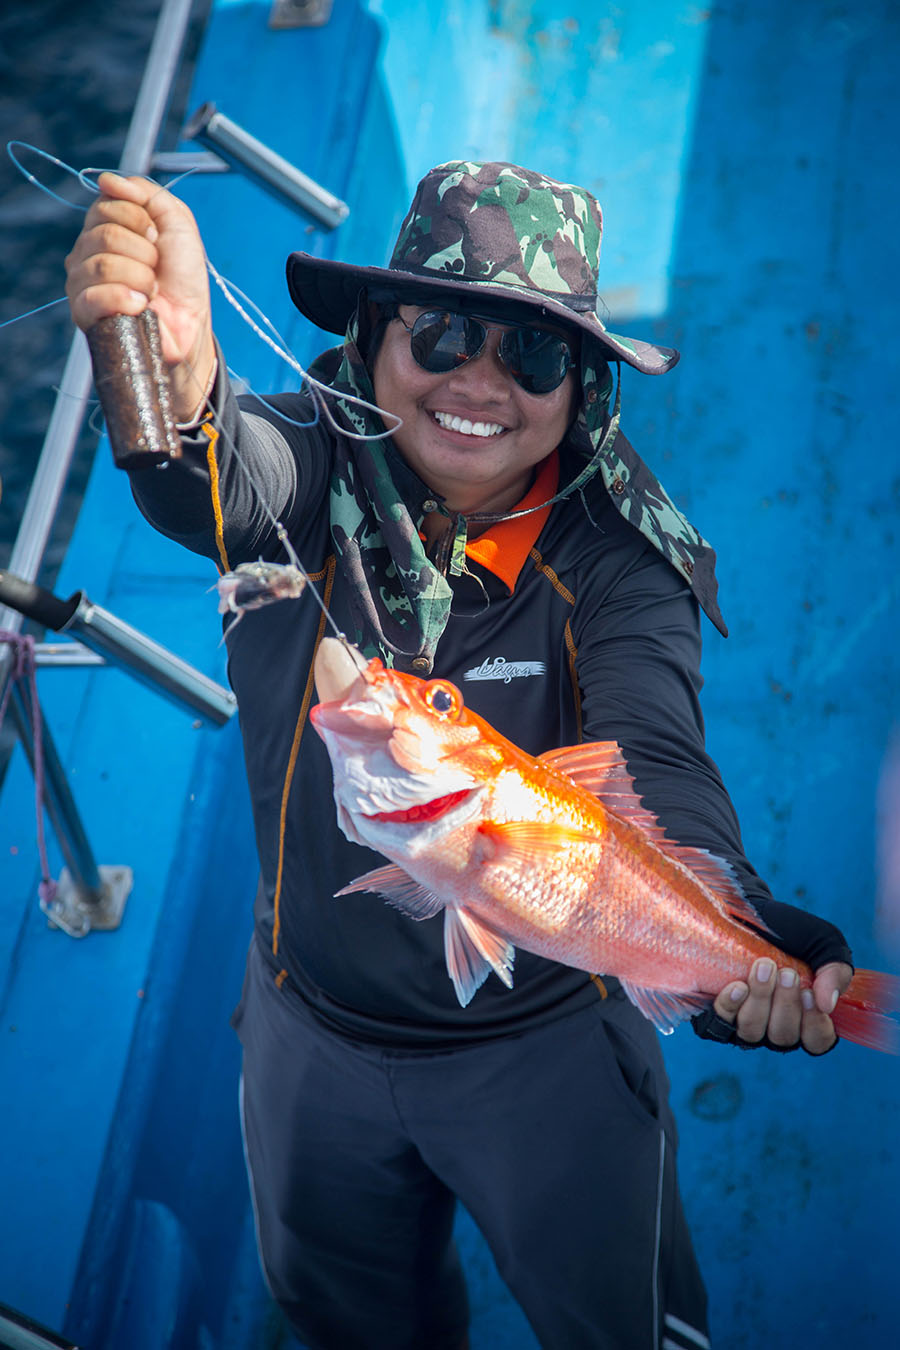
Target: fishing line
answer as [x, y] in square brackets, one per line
[317, 390]
[248, 392]
[312, 383]
[163, 187]
[279, 528]
[227, 288]
[51, 159]
[28, 313]
[80, 174]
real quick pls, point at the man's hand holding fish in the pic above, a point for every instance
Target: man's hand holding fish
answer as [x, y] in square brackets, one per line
[771, 1005]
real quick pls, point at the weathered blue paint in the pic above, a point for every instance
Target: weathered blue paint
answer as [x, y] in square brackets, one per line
[742, 156]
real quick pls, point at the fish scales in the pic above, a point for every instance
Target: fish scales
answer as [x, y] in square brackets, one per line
[580, 905]
[553, 854]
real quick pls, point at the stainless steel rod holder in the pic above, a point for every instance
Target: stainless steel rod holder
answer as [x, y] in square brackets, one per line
[270, 170]
[150, 663]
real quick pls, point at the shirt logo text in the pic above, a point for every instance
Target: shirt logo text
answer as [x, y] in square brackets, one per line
[498, 668]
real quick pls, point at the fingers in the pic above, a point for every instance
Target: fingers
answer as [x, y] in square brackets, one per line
[111, 270]
[819, 1002]
[818, 1034]
[141, 245]
[773, 1005]
[830, 983]
[112, 267]
[143, 193]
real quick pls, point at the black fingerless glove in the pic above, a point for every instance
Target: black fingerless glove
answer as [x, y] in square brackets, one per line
[813, 940]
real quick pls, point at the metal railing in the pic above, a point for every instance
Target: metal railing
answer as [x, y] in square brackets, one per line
[90, 895]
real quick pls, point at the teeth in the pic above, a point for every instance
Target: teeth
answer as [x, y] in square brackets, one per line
[452, 423]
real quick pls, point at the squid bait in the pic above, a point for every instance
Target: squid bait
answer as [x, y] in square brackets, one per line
[253, 585]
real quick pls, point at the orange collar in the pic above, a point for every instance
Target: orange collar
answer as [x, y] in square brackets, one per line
[505, 545]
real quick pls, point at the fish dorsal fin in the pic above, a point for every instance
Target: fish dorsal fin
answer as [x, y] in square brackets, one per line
[399, 889]
[663, 1009]
[718, 875]
[472, 950]
[591, 765]
[600, 767]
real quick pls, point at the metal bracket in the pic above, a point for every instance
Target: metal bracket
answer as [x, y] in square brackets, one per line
[300, 13]
[78, 912]
[188, 161]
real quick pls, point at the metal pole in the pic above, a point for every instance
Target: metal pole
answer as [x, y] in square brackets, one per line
[88, 897]
[263, 166]
[50, 478]
[58, 800]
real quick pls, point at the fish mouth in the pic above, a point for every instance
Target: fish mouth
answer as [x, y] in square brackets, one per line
[339, 671]
[424, 811]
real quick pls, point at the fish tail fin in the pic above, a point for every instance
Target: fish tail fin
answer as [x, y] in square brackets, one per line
[863, 1012]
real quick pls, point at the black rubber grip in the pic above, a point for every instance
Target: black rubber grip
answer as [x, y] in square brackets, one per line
[27, 598]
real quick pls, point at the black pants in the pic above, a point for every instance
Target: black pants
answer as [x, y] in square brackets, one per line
[559, 1142]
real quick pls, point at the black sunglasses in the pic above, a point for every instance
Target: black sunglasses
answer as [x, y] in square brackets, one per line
[441, 340]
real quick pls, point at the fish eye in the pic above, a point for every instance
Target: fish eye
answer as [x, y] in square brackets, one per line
[442, 698]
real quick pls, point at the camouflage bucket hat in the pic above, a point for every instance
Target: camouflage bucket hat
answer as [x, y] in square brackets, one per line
[484, 236]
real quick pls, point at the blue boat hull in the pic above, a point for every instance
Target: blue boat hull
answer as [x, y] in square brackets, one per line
[739, 153]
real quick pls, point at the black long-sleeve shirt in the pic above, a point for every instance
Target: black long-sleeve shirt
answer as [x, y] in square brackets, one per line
[598, 639]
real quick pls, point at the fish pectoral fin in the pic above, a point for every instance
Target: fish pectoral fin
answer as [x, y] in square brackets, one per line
[665, 1010]
[399, 889]
[525, 840]
[472, 950]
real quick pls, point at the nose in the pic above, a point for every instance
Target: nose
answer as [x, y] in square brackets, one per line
[484, 377]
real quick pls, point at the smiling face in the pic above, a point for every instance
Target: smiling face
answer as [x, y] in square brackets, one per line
[472, 435]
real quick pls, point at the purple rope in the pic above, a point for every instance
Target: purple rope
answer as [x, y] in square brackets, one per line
[25, 668]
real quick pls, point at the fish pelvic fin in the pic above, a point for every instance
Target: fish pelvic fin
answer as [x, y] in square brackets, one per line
[472, 950]
[663, 1009]
[863, 1012]
[600, 767]
[399, 889]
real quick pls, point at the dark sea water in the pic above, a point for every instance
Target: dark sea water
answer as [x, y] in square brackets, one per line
[69, 74]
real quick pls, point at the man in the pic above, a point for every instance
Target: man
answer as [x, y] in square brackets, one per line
[507, 537]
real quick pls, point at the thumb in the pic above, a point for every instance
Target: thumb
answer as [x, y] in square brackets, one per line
[830, 982]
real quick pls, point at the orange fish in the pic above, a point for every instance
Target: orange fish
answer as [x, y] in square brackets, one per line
[554, 854]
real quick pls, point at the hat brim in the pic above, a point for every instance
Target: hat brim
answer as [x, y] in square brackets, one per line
[326, 292]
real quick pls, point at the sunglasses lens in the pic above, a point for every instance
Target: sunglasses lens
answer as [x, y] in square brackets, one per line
[537, 360]
[442, 341]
